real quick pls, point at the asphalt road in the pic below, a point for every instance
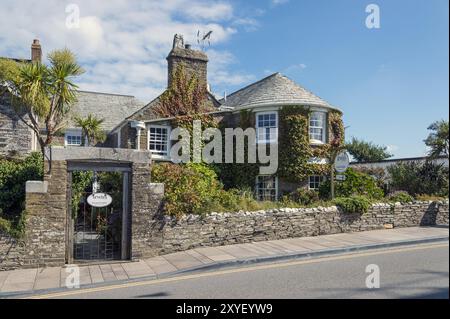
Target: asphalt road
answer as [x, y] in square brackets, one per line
[410, 272]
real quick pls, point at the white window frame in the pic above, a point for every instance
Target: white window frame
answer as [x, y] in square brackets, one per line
[156, 154]
[72, 133]
[273, 139]
[257, 187]
[321, 180]
[323, 127]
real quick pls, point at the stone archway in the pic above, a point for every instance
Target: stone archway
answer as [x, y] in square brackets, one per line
[49, 228]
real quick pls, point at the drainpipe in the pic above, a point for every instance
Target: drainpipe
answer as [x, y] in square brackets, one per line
[138, 125]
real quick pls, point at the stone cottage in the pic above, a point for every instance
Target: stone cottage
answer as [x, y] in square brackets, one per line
[131, 124]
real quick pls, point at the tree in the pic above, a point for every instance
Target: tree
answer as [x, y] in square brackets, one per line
[42, 95]
[91, 129]
[363, 151]
[438, 139]
[185, 96]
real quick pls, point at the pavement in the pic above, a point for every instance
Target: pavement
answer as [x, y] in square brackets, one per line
[45, 280]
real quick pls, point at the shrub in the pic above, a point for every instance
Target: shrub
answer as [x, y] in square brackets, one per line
[416, 178]
[303, 196]
[356, 183]
[13, 176]
[400, 196]
[189, 189]
[432, 198]
[353, 204]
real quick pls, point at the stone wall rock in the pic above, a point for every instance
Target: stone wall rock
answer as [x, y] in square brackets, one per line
[218, 229]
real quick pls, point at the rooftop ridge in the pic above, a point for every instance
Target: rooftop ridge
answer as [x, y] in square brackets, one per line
[106, 93]
[254, 83]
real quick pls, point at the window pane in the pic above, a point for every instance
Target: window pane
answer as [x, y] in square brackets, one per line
[158, 140]
[266, 188]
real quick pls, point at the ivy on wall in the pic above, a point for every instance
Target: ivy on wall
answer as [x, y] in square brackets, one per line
[295, 150]
[237, 175]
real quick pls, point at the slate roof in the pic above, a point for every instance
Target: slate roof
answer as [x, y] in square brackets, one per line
[113, 108]
[275, 89]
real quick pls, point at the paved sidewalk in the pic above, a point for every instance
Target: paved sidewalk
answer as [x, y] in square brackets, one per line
[27, 280]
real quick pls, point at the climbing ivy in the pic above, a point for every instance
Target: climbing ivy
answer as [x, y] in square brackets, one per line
[241, 176]
[295, 150]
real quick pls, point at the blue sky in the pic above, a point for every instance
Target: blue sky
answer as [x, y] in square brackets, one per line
[390, 82]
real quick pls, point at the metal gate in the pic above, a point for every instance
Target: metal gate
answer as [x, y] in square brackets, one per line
[98, 209]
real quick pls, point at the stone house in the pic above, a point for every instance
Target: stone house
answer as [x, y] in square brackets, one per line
[131, 124]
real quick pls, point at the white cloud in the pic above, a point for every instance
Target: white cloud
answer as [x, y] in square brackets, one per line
[295, 68]
[278, 2]
[392, 148]
[122, 44]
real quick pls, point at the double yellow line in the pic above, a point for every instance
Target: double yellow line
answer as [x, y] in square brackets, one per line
[231, 271]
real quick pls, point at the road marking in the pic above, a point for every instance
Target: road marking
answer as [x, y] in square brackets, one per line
[231, 271]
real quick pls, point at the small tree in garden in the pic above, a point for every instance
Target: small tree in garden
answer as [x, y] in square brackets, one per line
[42, 95]
[363, 151]
[185, 96]
[437, 141]
[91, 129]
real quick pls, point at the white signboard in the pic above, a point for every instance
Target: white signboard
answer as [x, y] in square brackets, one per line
[340, 177]
[342, 162]
[99, 200]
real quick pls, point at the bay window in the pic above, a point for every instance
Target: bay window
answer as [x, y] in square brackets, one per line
[317, 127]
[267, 127]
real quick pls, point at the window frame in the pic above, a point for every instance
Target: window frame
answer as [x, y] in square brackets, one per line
[323, 127]
[257, 187]
[73, 133]
[155, 153]
[321, 180]
[265, 141]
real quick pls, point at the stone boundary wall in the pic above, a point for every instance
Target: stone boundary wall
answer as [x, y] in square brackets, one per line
[218, 229]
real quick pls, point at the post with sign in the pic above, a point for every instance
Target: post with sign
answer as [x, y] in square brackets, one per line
[340, 164]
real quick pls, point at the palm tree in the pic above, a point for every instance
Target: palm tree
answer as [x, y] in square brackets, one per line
[42, 95]
[91, 129]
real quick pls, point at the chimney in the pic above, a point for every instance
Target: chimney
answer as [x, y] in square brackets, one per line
[36, 51]
[195, 62]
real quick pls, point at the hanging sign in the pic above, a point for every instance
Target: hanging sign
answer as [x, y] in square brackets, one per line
[99, 200]
[342, 162]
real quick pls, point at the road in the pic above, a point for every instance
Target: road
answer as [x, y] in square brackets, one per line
[409, 272]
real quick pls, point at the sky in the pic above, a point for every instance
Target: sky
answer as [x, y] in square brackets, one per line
[391, 82]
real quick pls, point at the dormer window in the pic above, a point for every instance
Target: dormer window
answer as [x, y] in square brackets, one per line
[317, 127]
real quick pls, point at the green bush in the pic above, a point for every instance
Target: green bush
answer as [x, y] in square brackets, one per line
[353, 204]
[356, 183]
[189, 189]
[400, 196]
[420, 178]
[303, 196]
[13, 176]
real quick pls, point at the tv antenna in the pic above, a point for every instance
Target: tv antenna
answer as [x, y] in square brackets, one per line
[203, 39]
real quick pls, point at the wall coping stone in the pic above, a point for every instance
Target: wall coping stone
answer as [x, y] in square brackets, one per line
[39, 187]
[98, 153]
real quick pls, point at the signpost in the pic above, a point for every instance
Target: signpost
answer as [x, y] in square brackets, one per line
[340, 164]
